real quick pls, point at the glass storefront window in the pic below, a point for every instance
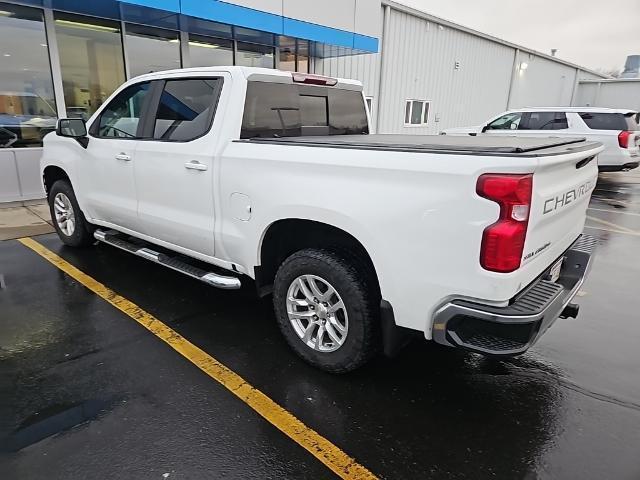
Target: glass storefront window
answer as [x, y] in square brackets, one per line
[90, 60]
[200, 26]
[151, 49]
[27, 105]
[294, 55]
[303, 56]
[250, 55]
[254, 36]
[209, 52]
[287, 54]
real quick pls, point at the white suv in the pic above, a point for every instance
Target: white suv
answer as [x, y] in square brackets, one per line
[617, 129]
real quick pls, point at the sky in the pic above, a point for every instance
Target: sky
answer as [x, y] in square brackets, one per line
[598, 34]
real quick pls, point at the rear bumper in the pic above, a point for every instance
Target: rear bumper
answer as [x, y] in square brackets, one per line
[512, 329]
[618, 168]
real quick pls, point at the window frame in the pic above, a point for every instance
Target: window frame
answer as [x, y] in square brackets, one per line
[368, 100]
[94, 128]
[80, 18]
[557, 115]
[422, 123]
[148, 123]
[237, 50]
[624, 117]
[290, 93]
[34, 15]
[224, 43]
[502, 115]
[131, 29]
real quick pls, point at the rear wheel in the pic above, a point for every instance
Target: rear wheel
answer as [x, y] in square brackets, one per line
[326, 309]
[68, 219]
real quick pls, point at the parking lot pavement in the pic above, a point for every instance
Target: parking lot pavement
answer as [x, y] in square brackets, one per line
[89, 393]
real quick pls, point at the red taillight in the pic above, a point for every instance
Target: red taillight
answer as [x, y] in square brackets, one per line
[623, 138]
[503, 242]
[313, 79]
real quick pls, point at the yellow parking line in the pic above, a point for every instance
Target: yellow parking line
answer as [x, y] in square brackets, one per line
[329, 454]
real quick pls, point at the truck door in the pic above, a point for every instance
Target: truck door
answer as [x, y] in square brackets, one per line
[174, 171]
[107, 172]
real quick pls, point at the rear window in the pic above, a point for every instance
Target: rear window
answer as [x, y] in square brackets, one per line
[285, 110]
[609, 121]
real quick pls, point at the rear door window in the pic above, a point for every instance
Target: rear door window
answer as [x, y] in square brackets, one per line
[186, 108]
[288, 110]
[609, 121]
[543, 121]
[560, 122]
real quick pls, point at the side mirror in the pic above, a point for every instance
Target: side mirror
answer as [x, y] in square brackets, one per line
[484, 128]
[73, 128]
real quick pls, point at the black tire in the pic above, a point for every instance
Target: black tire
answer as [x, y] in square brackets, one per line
[82, 235]
[354, 285]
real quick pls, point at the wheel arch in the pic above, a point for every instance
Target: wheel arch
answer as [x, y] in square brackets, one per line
[51, 174]
[288, 235]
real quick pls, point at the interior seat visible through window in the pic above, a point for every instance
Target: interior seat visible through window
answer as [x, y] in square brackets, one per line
[121, 118]
[186, 109]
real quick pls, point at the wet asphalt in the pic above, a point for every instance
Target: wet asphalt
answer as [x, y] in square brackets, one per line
[85, 392]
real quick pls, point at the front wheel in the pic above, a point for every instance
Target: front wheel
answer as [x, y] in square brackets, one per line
[326, 309]
[68, 220]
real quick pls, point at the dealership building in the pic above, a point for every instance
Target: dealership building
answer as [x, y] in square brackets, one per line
[421, 74]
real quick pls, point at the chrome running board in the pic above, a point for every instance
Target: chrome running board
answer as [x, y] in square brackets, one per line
[111, 237]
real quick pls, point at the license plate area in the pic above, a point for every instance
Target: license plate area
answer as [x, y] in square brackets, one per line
[554, 271]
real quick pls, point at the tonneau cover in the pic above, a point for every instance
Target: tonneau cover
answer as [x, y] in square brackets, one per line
[478, 145]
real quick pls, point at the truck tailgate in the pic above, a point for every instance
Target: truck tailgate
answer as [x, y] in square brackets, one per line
[562, 187]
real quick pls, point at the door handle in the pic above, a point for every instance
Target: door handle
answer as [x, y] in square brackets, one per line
[195, 165]
[124, 157]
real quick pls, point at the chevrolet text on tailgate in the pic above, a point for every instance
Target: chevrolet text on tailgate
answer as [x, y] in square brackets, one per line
[234, 174]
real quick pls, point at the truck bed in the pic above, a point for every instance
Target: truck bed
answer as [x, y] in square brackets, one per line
[443, 144]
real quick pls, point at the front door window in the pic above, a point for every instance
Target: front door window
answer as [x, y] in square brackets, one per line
[121, 118]
[509, 121]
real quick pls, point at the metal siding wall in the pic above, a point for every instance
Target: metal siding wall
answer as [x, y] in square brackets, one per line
[420, 63]
[620, 95]
[359, 67]
[610, 94]
[586, 94]
[543, 83]
[365, 68]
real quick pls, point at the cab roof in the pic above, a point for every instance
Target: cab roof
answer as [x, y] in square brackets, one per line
[250, 73]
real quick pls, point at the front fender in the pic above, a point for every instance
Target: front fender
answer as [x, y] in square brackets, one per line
[62, 153]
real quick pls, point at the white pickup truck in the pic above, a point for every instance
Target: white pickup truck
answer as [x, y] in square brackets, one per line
[231, 173]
